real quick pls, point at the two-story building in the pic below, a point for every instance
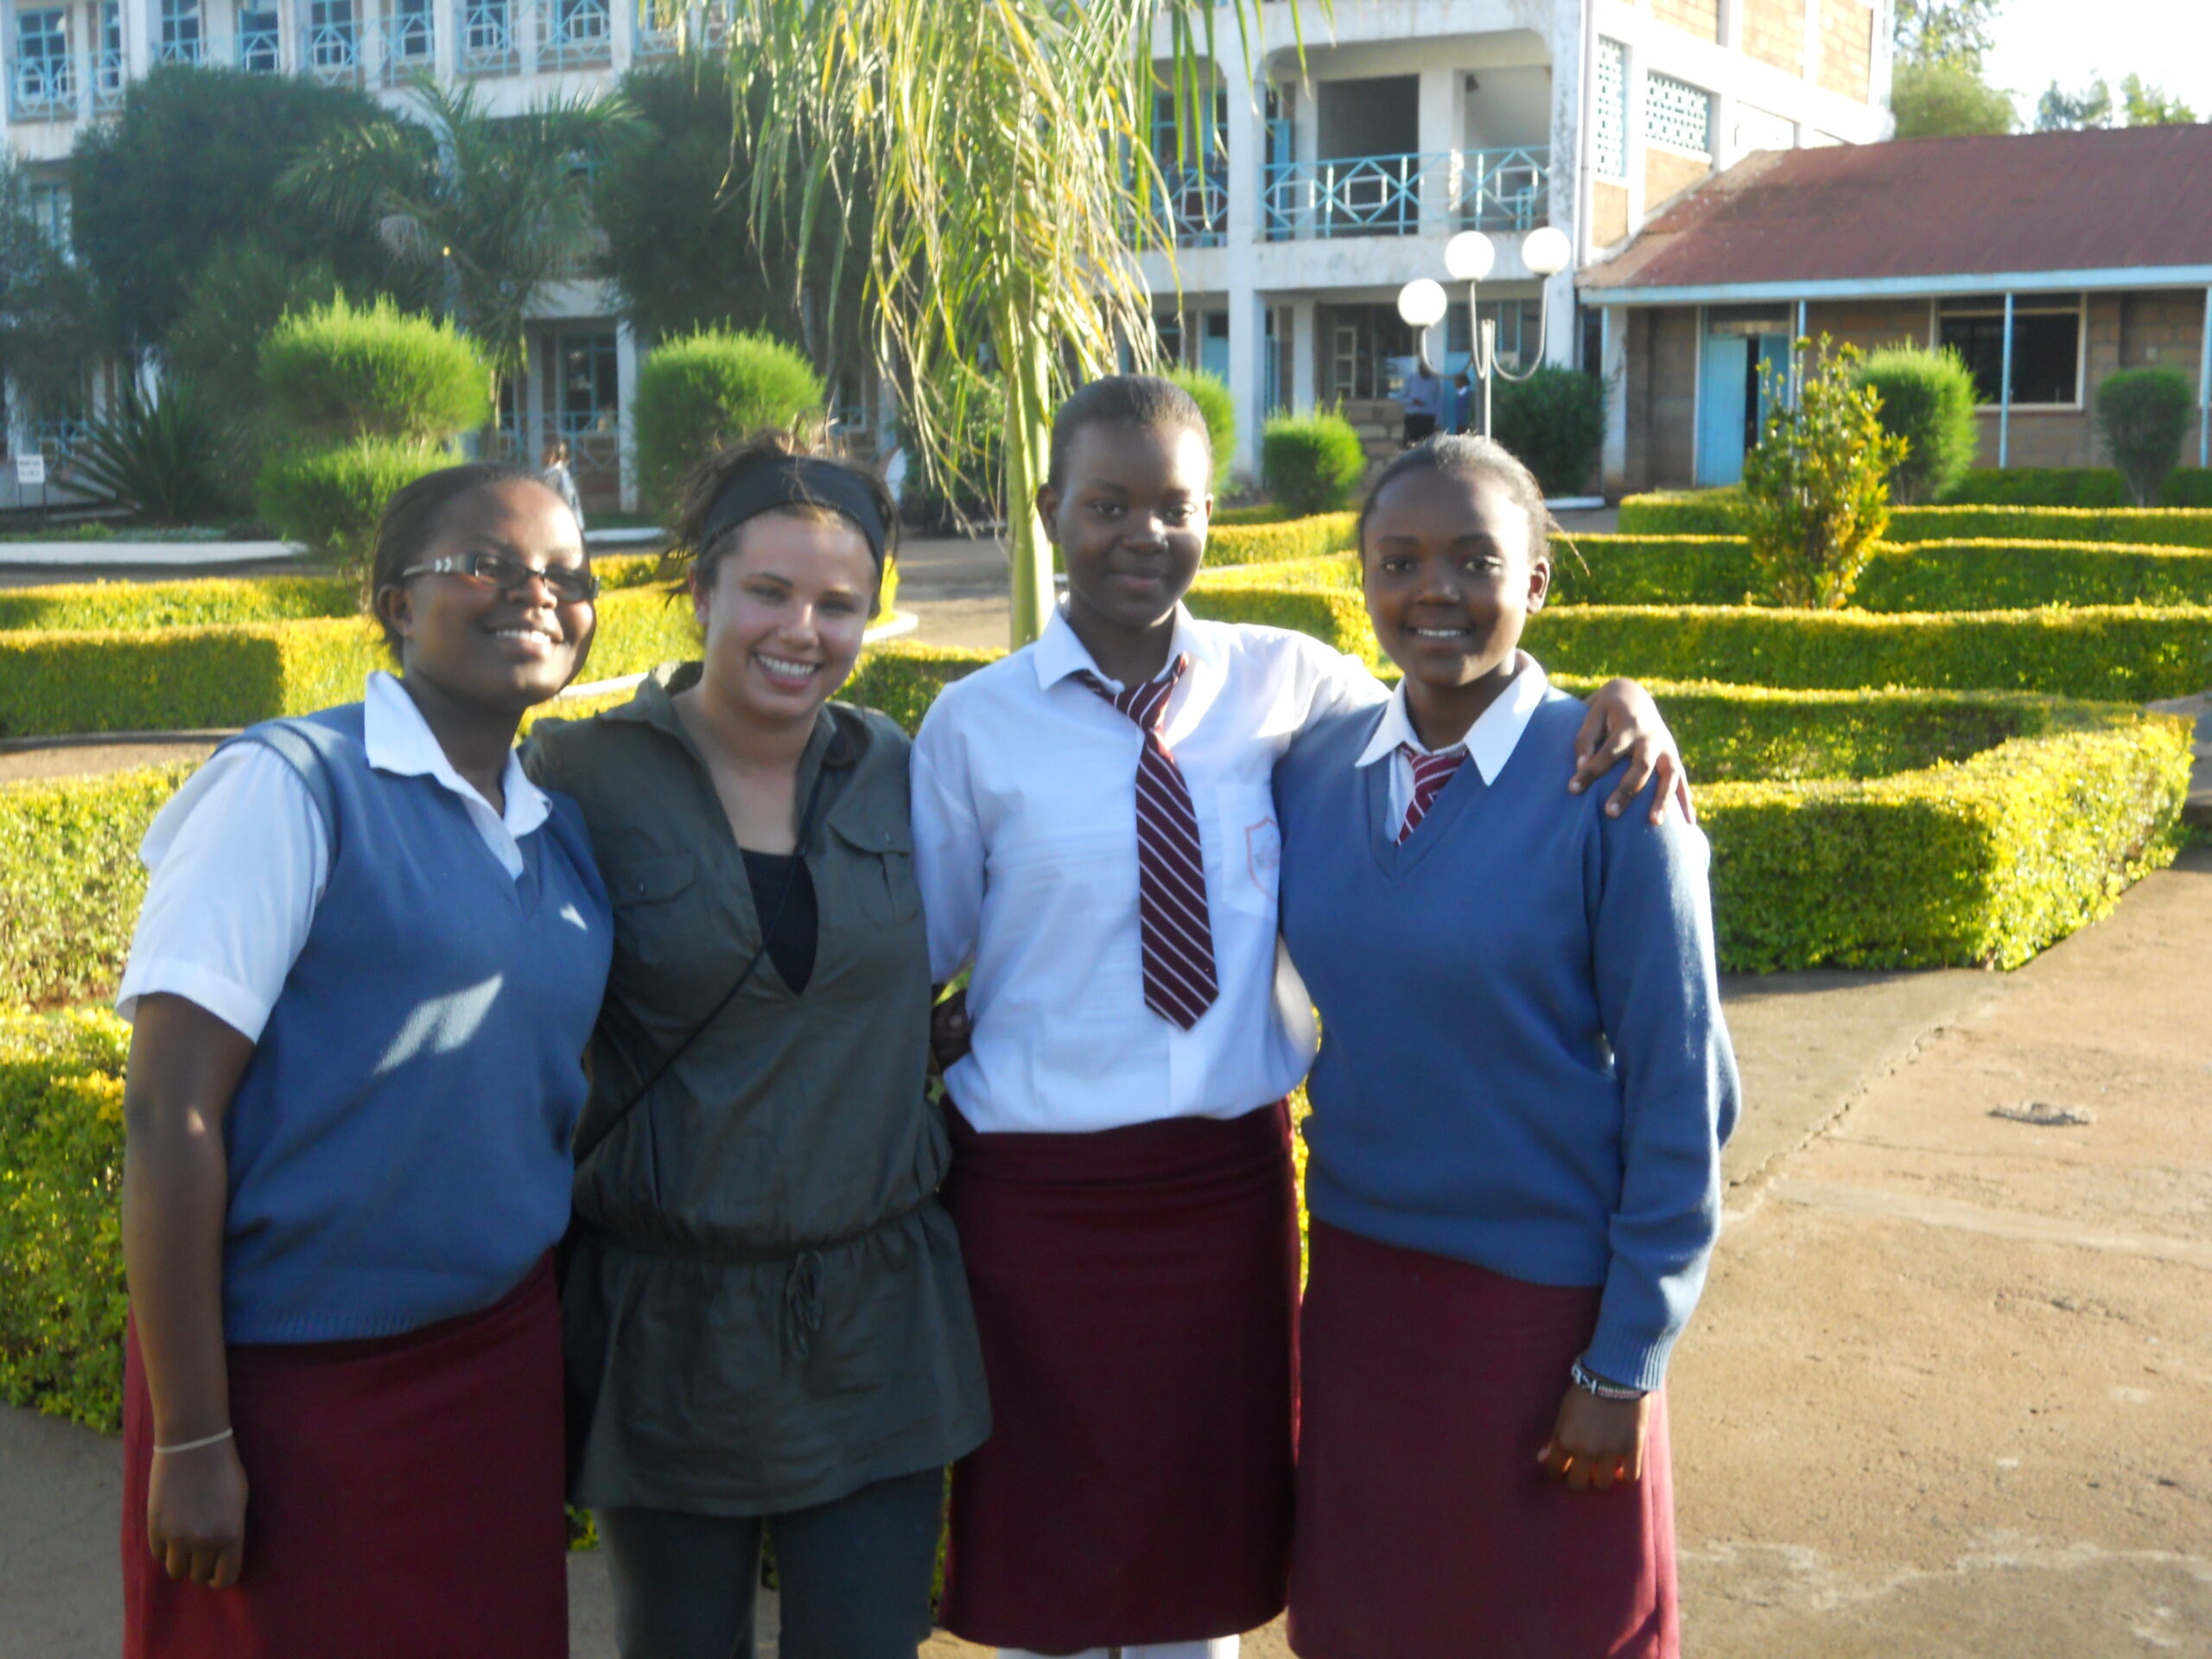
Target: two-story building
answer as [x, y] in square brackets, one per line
[1341, 168]
[64, 65]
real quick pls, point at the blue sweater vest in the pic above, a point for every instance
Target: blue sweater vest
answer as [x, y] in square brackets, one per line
[1523, 1060]
[399, 1144]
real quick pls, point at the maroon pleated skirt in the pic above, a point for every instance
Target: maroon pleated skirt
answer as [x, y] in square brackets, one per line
[403, 1499]
[1137, 1293]
[1425, 1525]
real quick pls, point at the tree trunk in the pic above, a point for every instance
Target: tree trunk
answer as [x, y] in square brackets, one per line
[1028, 366]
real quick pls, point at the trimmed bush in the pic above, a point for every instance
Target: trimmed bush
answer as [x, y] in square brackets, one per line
[2187, 487]
[2040, 486]
[336, 373]
[1990, 575]
[1261, 512]
[1220, 411]
[62, 1299]
[2142, 415]
[1928, 399]
[200, 602]
[1289, 538]
[1555, 421]
[1311, 463]
[1981, 863]
[1714, 513]
[331, 500]
[698, 393]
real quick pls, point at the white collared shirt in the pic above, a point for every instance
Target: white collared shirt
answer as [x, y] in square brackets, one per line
[238, 859]
[1025, 844]
[1490, 742]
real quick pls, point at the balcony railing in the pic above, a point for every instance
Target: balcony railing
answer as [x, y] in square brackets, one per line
[62, 88]
[488, 38]
[1195, 205]
[255, 49]
[575, 34]
[331, 51]
[1403, 195]
[407, 45]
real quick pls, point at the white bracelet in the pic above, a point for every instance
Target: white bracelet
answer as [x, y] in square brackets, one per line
[192, 1445]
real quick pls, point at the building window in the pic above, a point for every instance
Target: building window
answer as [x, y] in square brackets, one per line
[579, 23]
[412, 39]
[49, 205]
[2046, 347]
[257, 40]
[330, 34]
[1608, 122]
[589, 397]
[180, 41]
[42, 53]
[487, 33]
[1677, 115]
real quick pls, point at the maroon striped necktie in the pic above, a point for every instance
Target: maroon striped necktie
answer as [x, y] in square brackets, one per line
[1176, 932]
[1431, 773]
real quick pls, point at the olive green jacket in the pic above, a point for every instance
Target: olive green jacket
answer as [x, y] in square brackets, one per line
[768, 1310]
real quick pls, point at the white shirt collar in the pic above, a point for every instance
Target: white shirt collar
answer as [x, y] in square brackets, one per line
[1058, 654]
[398, 740]
[1490, 742]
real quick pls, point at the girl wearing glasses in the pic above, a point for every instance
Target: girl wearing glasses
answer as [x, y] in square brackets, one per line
[368, 963]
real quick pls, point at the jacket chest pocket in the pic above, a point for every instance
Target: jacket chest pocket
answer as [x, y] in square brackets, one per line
[877, 869]
[656, 919]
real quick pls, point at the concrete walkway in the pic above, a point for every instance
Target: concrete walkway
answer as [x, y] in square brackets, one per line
[1949, 1395]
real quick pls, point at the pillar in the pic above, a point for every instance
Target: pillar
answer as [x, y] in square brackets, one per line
[1613, 356]
[1442, 129]
[1306, 345]
[1246, 140]
[626, 392]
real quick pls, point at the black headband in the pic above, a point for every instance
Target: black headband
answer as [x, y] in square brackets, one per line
[795, 481]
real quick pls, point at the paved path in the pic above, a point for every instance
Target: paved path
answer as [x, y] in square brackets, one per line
[1949, 1395]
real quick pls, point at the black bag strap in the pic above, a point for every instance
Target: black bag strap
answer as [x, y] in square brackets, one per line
[838, 756]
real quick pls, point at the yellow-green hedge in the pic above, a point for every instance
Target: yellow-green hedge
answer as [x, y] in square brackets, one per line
[1983, 862]
[62, 1296]
[1287, 538]
[1715, 512]
[189, 678]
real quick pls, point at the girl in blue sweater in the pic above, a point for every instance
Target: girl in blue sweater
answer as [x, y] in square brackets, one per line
[1514, 1156]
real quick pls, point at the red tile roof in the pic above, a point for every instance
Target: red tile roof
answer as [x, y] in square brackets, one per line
[2047, 201]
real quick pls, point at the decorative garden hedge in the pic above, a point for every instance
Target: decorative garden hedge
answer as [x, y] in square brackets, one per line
[1714, 513]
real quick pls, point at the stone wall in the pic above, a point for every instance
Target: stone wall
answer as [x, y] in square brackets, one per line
[1698, 17]
[1869, 324]
[1846, 47]
[2163, 331]
[1773, 32]
[1661, 393]
[1608, 213]
[1668, 173]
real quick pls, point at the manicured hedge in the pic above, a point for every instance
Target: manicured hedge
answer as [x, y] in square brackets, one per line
[2128, 653]
[61, 1298]
[1985, 862]
[1713, 512]
[1287, 538]
[2004, 575]
[187, 678]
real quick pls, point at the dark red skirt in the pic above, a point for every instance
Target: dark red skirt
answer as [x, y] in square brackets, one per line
[404, 1497]
[1136, 1292]
[1425, 1525]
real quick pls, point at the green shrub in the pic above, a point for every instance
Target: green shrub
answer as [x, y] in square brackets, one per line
[335, 374]
[2040, 486]
[168, 460]
[2142, 415]
[331, 500]
[1555, 421]
[1715, 512]
[1220, 411]
[1652, 570]
[699, 392]
[1928, 399]
[196, 603]
[1981, 863]
[62, 1299]
[2187, 487]
[1311, 463]
[1289, 538]
[1991, 575]
[1816, 495]
[1261, 512]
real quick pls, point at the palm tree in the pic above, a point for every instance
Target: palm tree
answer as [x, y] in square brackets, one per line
[1007, 144]
[490, 208]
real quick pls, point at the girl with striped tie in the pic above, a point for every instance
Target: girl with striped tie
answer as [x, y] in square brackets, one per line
[1513, 1157]
[1095, 836]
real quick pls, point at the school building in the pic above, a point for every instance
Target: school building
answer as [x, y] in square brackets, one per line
[2047, 260]
[1339, 168]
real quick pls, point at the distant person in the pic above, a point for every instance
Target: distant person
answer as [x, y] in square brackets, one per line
[369, 960]
[892, 466]
[558, 479]
[1514, 1156]
[1463, 403]
[1424, 399]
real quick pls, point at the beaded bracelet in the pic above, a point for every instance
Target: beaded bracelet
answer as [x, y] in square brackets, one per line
[1590, 1383]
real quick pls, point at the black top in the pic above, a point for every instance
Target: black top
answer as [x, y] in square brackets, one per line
[790, 947]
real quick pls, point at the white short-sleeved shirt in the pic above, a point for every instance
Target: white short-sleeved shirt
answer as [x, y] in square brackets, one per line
[1025, 843]
[238, 859]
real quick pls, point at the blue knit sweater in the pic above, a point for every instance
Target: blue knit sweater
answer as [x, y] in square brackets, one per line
[1522, 1063]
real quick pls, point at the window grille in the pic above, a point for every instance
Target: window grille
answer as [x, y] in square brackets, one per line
[1608, 123]
[180, 41]
[1677, 115]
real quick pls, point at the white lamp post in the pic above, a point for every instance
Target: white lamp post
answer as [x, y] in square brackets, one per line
[1468, 257]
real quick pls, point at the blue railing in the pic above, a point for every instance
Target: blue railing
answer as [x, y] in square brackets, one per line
[488, 38]
[331, 50]
[1401, 195]
[409, 43]
[575, 34]
[255, 48]
[59, 88]
[1194, 202]
[658, 28]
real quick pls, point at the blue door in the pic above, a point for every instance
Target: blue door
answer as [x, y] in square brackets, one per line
[1723, 374]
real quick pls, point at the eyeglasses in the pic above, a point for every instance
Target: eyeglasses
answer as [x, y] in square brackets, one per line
[572, 584]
